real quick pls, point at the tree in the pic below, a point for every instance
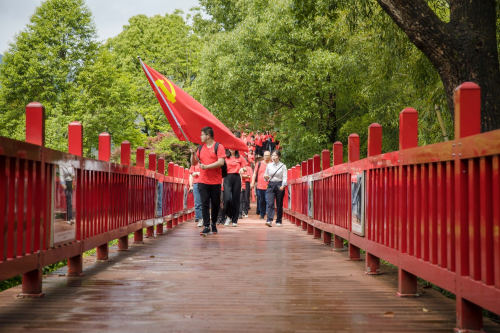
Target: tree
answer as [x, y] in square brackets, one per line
[317, 80]
[166, 43]
[58, 62]
[459, 37]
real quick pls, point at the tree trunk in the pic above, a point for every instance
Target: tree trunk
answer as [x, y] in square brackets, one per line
[465, 49]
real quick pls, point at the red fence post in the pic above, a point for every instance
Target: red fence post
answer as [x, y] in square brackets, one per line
[150, 231]
[171, 173]
[316, 163]
[372, 266]
[353, 156]
[304, 173]
[35, 134]
[175, 217]
[140, 155]
[125, 152]
[35, 124]
[104, 155]
[75, 147]
[325, 164]
[338, 158]
[161, 165]
[325, 159]
[310, 171]
[467, 123]
[408, 138]
[338, 153]
[161, 170]
[316, 166]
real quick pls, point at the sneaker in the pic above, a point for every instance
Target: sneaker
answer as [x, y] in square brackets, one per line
[196, 220]
[206, 231]
[235, 224]
[200, 223]
[246, 215]
[228, 222]
[261, 218]
[278, 224]
[269, 223]
[214, 229]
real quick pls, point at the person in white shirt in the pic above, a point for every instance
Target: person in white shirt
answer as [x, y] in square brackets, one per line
[276, 175]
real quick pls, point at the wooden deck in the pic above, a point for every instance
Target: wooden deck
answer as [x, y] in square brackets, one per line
[251, 278]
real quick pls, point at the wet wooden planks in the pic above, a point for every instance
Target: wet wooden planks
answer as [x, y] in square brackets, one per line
[250, 278]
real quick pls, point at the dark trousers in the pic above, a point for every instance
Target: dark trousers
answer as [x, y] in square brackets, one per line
[209, 193]
[262, 202]
[68, 192]
[232, 192]
[273, 191]
[245, 199]
[259, 150]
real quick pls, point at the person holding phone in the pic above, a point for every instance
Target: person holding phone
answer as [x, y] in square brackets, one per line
[276, 175]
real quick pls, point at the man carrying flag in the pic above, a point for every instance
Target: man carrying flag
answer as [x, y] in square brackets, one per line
[211, 157]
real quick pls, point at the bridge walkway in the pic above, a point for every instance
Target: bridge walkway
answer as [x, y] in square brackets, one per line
[251, 278]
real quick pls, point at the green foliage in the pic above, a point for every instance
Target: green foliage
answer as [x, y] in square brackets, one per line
[317, 71]
[58, 62]
[166, 43]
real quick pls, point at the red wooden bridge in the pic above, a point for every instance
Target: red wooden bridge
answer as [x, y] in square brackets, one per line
[431, 212]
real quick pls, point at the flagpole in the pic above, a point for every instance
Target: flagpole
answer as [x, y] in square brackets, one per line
[166, 103]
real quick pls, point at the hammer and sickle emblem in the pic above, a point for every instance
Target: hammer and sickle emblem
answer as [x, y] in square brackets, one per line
[170, 95]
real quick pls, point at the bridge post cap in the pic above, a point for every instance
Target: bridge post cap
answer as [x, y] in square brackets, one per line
[317, 154]
[161, 158]
[336, 143]
[75, 123]
[325, 150]
[140, 148]
[309, 159]
[375, 125]
[104, 134]
[35, 105]
[150, 154]
[467, 86]
[354, 135]
[125, 142]
[408, 110]
[171, 163]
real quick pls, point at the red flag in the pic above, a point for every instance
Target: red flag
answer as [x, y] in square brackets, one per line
[190, 114]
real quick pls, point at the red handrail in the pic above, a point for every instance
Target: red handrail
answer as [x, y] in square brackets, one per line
[433, 211]
[112, 200]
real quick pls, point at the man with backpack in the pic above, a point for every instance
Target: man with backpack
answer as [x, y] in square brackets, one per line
[211, 156]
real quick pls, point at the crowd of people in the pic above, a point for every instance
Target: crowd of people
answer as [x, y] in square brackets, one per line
[222, 180]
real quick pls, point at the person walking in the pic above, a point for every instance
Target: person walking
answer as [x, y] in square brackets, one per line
[276, 174]
[194, 175]
[258, 145]
[210, 156]
[232, 185]
[258, 177]
[245, 192]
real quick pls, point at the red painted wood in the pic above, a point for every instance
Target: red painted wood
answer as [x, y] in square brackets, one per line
[125, 153]
[104, 147]
[35, 123]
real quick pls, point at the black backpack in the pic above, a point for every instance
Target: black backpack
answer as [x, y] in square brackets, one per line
[224, 167]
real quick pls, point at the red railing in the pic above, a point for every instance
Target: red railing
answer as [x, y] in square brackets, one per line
[433, 211]
[110, 201]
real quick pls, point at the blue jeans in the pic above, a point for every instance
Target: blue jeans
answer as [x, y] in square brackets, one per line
[197, 202]
[262, 197]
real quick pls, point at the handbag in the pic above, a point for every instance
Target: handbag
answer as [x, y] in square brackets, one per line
[274, 175]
